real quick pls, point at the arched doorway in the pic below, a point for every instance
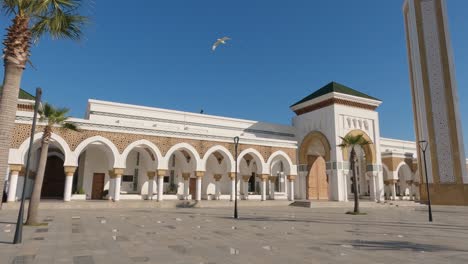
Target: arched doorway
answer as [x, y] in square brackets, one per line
[54, 178]
[315, 152]
[317, 180]
[365, 157]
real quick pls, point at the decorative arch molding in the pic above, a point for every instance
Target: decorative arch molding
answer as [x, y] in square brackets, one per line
[401, 166]
[18, 157]
[224, 151]
[258, 158]
[113, 149]
[309, 139]
[280, 155]
[369, 149]
[142, 142]
[164, 165]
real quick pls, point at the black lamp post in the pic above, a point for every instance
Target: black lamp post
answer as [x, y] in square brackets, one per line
[19, 222]
[236, 144]
[423, 146]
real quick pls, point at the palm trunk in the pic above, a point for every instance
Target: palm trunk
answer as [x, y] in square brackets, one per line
[16, 53]
[8, 105]
[36, 194]
[355, 182]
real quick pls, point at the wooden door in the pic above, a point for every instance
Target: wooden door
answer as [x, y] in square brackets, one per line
[193, 187]
[317, 182]
[98, 186]
[54, 178]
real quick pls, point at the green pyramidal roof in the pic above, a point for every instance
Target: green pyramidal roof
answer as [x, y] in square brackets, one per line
[337, 88]
[22, 94]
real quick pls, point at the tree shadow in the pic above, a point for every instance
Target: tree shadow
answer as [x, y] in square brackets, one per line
[397, 245]
[187, 204]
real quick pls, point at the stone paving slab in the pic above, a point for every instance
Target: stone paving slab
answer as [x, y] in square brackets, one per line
[261, 235]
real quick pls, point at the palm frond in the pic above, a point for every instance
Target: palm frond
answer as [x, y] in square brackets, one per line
[353, 140]
[58, 18]
[59, 25]
[70, 126]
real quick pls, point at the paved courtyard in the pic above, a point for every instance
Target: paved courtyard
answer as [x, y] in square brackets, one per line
[262, 235]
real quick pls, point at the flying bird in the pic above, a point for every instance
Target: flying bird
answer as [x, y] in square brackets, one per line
[219, 42]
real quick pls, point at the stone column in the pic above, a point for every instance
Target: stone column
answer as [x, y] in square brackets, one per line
[186, 176]
[217, 178]
[393, 189]
[416, 191]
[151, 175]
[271, 182]
[373, 187]
[67, 193]
[245, 186]
[386, 182]
[263, 178]
[199, 175]
[409, 185]
[110, 195]
[232, 176]
[161, 174]
[345, 184]
[13, 181]
[291, 179]
[118, 172]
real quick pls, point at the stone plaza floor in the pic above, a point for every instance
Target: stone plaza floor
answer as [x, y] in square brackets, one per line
[281, 234]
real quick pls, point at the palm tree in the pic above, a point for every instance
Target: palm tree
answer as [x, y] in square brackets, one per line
[52, 117]
[350, 141]
[31, 20]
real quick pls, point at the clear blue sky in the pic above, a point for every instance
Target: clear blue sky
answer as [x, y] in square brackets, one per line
[157, 53]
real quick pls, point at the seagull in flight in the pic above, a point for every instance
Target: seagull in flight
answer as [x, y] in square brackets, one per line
[219, 42]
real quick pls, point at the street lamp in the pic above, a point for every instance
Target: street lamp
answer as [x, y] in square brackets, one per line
[236, 144]
[423, 146]
[19, 222]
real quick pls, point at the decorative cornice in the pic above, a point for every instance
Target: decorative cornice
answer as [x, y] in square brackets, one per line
[333, 101]
[157, 132]
[154, 119]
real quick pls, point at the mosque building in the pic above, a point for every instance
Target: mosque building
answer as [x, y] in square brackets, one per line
[131, 152]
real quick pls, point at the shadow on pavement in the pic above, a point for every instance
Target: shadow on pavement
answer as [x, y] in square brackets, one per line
[396, 245]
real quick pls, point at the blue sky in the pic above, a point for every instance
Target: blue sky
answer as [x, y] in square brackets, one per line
[157, 53]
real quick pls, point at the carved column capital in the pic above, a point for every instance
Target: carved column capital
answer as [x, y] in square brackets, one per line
[15, 168]
[186, 176]
[69, 170]
[151, 174]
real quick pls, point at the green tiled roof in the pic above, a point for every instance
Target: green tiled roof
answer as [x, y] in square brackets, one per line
[337, 88]
[23, 94]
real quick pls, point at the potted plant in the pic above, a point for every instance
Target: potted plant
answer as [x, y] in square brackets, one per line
[80, 194]
[172, 189]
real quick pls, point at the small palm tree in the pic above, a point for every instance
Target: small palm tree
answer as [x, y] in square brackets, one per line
[31, 20]
[53, 117]
[350, 141]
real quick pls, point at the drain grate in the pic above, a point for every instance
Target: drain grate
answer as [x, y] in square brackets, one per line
[83, 260]
[25, 259]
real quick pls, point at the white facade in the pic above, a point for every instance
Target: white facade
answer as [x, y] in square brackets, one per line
[159, 154]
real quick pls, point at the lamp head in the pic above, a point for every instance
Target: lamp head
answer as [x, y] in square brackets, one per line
[423, 144]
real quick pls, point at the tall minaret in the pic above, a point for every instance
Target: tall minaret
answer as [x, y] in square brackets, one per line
[435, 100]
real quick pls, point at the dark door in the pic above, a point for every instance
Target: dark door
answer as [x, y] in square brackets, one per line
[193, 187]
[54, 178]
[98, 186]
